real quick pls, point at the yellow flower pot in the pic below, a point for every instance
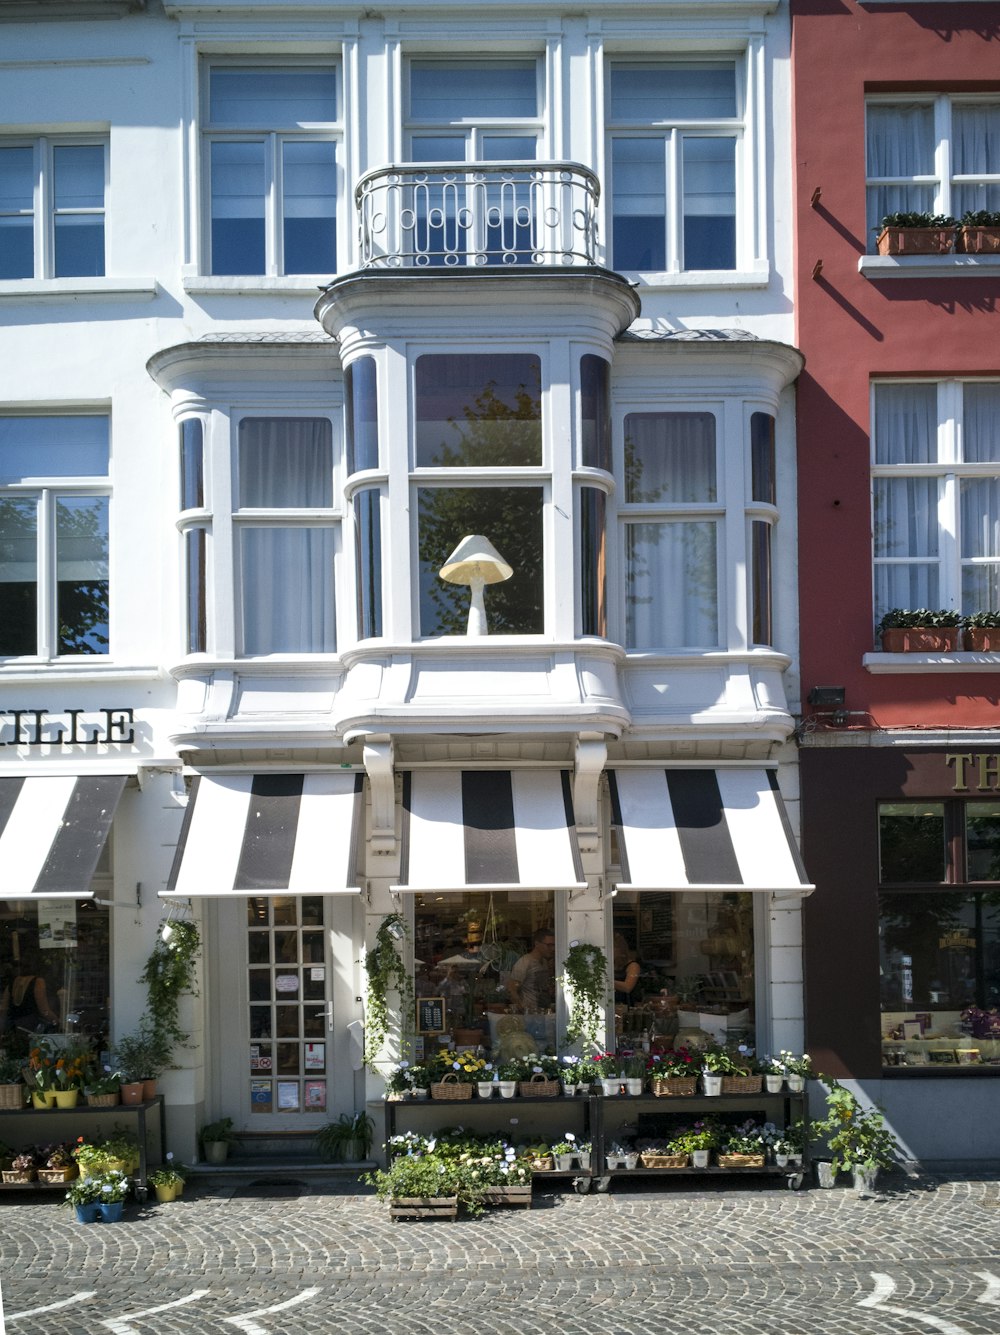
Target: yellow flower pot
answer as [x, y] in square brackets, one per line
[43, 1098]
[67, 1098]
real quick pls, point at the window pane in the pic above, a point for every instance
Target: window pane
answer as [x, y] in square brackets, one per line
[275, 561]
[981, 587]
[639, 181]
[760, 624]
[368, 554]
[79, 246]
[271, 97]
[286, 462]
[17, 248]
[595, 412]
[82, 574]
[18, 576]
[309, 195]
[906, 516]
[361, 409]
[982, 841]
[981, 423]
[670, 458]
[671, 586]
[980, 511]
[441, 90]
[932, 959]
[476, 411]
[192, 465]
[238, 190]
[906, 424]
[762, 479]
[438, 148]
[911, 842]
[699, 947]
[975, 143]
[17, 181]
[593, 561]
[46, 447]
[511, 518]
[78, 176]
[197, 604]
[672, 92]
[709, 203]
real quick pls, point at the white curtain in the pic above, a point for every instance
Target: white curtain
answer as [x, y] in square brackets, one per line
[670, 458]
[975, 151]
[900, 143]
[671, 585]
[906, 508]
[906, 424]
[285, 462]
[981, 423]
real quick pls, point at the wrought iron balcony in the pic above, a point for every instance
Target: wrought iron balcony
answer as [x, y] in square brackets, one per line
[443, 215]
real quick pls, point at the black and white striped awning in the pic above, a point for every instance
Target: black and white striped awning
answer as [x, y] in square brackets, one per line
[704, 829]
[489, 830]
[52, 831]
[252, 834]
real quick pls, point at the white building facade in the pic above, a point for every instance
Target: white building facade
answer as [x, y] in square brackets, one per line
[296, 298]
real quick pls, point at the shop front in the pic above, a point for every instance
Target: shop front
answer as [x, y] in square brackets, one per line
[902, 939]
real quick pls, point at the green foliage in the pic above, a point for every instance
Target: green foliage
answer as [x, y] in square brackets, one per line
[858, 1138]
[917, 220]
[980, 218]
[585, 974]
[105, 1188]
[385, 971]
[170, 972]
[220, 1131]
[899, 617]
[983, 620]
[701, 1136]
[170, 1175]
[10, 1071]
[346, 1138]
[143, 1054]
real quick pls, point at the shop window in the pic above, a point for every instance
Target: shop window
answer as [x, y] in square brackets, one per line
[54, 515]
[936, 495]
[271, 155]
[52, 208]
[482, 413]
[491, 961]
[684, 968]
[939, 943]
[54, 960]
[675, 135]
[286, 532]
[671, 529]
[938, 155]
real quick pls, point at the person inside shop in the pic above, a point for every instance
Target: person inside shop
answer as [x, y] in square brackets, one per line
[26, 1002]
[627, 969]
[531, 986]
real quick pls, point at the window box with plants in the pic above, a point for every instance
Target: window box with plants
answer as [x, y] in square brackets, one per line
[979, 233]
[916, 234]
[920, 630]
[982, 632]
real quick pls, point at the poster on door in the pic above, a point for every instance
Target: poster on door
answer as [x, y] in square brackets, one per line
[315, 1057]
[261, 1096]
[315, 1096]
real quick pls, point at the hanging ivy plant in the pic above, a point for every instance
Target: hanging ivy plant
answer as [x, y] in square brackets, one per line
[170, 972]
[385, 971]
[585, 972]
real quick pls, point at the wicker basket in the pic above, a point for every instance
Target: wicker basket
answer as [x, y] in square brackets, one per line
[450, 1087]
[670, 1086]
[57, 1174]
[742, 1084]
[664, 1161]
[543, 1164]
[103, 1100]
[12, 1097]
[741, 1161]
[539, 1088]
[20, 1174]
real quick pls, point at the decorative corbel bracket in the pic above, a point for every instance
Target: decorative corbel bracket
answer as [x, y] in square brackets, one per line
[590, 758]
[378, 761]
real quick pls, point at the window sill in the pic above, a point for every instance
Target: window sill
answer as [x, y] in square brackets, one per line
[879, 663]
[880, 267]
[59, 289]
[702, 279]
[21, 673]
[235, 285]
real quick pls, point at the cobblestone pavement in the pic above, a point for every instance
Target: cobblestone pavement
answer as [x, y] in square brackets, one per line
[646, 1257]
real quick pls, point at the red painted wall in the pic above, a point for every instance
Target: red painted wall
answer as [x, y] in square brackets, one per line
[851, 328]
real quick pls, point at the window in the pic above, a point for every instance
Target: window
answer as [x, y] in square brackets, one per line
[762, 493]
[480, 416]
[595, 452]
[675, 137]
[939, 921]
[932, 155]
[695, 952]
[361, 411]
[671, 527]
[54, 504]
[285, 535]
[194, 528]
[475, 111]
[271, 135]
[936, 495]
[52, 208]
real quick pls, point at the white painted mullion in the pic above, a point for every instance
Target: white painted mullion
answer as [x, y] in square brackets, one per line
[274, 235]
[46, 575]
[949, 402]
[674, 202]
[942, 154]
[44, 201]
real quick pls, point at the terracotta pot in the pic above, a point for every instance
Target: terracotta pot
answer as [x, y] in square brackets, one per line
[979, 240]
[916, 241]
[982, 639]
[132, 1093]
[921, 639]
[148, 1090]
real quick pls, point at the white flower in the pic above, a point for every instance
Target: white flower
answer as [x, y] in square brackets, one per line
[513, 1121]
[169, 1155]
[403, 1065]
[573, 943]
[570, 1136]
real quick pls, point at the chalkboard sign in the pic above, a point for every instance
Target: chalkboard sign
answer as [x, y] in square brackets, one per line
[430, 1015]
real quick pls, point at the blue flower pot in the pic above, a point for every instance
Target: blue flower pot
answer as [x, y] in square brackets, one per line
[88, 1214]
[111, 1211]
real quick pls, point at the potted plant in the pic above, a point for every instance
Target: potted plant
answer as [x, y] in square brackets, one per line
[419, 1185]
[916, 234]
[565, 1152]
[89, 1195]
[573, 1075]
[348, 1139]
[698, 1141]
[675, 1073]
[58, 1164]
[168, 1181]
[858, 1137]
[743, 1147]
[921, 630]
[113, 1188]
[508, 1074]
[13, 1090]
[104, 1090]
[541, 1076]
[634, 1069]
[216, 1137]
[607, 1068]
[585, 976]
[982, 629]
[979, 232]
[23, 1168]
[141, 1056]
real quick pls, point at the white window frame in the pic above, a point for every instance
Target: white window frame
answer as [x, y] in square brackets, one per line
[943, 179]
[473, 129]
[43, 211]
[950, 471]
[750, 222]
[273, 139]
[48, 491]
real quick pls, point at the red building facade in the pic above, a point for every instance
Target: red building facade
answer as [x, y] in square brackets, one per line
[897, 110]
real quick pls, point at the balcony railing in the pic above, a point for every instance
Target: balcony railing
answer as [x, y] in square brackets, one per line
[440, 215]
